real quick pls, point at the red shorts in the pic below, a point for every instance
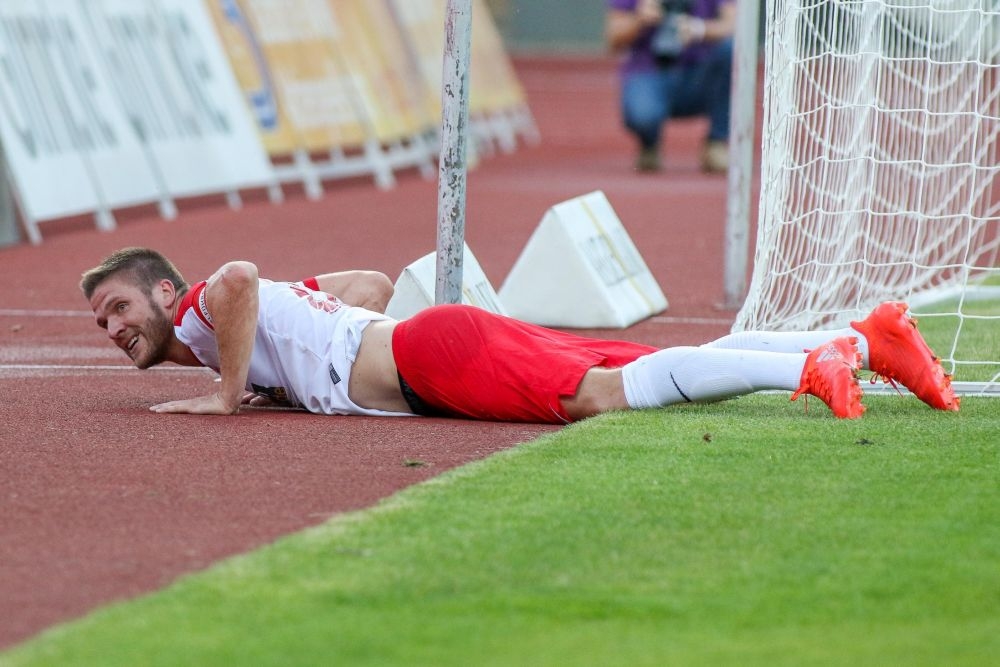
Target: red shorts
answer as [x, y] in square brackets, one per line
[464, 361]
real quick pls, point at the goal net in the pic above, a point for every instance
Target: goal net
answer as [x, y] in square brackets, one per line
[880, 162]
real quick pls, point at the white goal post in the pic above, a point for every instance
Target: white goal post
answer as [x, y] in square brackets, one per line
[880, 172]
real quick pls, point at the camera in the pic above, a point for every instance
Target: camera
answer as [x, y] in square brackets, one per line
[666, 43]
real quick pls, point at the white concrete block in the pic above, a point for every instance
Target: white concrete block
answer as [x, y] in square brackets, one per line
[415, 287]
[581, 269]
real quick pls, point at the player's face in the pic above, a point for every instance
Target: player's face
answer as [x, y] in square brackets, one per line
[136, 322]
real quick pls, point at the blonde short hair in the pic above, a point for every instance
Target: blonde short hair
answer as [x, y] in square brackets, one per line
[146, 267]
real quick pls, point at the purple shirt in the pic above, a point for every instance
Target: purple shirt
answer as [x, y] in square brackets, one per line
[640, 55]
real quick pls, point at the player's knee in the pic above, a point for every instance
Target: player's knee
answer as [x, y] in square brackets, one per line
[601, 390]
[382, 289]
[377, 290]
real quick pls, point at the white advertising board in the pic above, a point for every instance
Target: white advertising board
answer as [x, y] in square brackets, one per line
[68, 145]
[178, 91]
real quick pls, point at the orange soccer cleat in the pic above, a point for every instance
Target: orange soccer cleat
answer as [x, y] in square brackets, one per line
[831, 373]
[898, 353]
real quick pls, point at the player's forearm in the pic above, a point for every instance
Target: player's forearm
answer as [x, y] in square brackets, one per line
[233, 302]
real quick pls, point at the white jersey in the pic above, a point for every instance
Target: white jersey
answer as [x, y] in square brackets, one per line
[306, 344]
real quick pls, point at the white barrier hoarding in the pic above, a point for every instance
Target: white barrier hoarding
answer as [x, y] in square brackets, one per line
[70, 148]
[110, 103]
[315, 91]
[179, 94]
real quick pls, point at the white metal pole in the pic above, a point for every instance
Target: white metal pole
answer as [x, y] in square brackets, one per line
[742, 126]
[452, 168]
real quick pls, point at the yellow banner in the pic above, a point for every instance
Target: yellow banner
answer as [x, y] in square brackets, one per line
[252, 74]
[323, 74]
[374, 51]
[492, 81]
[282, 52]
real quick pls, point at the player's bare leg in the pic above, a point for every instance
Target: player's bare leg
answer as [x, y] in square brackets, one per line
[601, 390]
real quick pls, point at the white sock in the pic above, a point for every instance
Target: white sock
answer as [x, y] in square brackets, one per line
[787, 341]
[697, 374]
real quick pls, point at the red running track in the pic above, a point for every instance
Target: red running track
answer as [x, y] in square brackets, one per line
[103, 500]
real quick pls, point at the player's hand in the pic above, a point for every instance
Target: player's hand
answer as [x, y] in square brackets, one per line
[201, 405]
[256, 400]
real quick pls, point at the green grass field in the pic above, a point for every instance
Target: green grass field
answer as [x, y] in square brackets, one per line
[742, 533]
[972, 341]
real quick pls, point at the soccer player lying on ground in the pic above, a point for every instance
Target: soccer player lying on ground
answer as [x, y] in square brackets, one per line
[296, 344]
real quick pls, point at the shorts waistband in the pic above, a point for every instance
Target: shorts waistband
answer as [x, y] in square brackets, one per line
[418, 405]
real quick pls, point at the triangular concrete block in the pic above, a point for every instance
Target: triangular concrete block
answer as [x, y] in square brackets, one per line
[581, 269]
[415, 287]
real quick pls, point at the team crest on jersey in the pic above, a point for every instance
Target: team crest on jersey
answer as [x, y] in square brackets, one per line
[276, 394]
[318, 300]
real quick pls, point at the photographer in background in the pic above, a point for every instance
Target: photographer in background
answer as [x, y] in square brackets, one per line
[677, 63]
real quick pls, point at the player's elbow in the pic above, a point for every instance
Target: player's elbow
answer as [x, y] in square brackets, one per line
[239, 276]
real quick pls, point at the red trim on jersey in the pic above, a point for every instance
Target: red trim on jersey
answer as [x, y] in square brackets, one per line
[312, 283]
[193, 300]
